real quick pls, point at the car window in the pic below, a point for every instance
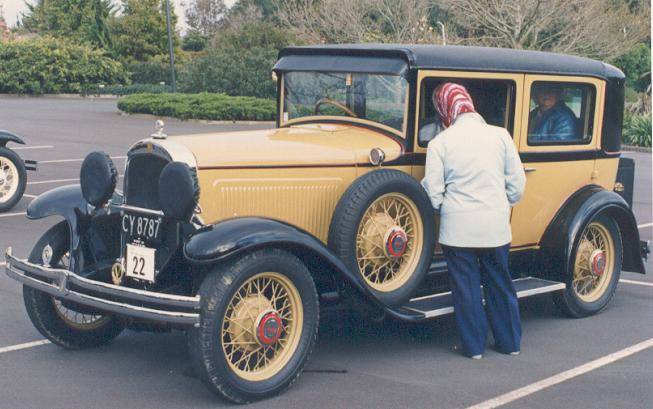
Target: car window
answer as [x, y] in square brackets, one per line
[493, 99]
[561, 113]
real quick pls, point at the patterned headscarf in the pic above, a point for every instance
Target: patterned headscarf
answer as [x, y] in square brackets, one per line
[451, 100]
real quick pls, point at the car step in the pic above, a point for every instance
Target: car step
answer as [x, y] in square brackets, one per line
[441, 304]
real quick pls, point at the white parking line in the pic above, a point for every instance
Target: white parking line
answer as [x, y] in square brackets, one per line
[26, 345]
[32, 147]
[562, 376]
[42, 162]
[30, 196]
[644, 283]
[3, 263]
[641, 226]
[13, 214]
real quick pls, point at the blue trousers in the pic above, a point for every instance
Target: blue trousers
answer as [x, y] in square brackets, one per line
[468, 269]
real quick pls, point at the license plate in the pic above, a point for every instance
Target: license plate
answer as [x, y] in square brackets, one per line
[140, 262]
[145, 228]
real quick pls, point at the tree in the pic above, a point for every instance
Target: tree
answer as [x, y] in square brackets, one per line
[337, 21]
[204, 16]
[602, 29]
[84, 21]
[238, 62]
[266, 8]
[141, 32]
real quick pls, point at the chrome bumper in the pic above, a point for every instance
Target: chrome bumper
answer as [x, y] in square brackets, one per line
[64, 284]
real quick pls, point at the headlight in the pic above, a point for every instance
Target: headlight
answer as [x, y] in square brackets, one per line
[98, 178]
[179, 191]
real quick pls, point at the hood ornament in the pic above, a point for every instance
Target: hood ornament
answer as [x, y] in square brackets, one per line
[159, 134]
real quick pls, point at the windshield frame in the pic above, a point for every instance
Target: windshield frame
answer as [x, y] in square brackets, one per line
[342, 119]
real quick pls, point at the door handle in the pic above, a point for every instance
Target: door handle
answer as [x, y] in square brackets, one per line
[529, 170]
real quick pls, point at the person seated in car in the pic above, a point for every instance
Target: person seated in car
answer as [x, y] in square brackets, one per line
[552, 120]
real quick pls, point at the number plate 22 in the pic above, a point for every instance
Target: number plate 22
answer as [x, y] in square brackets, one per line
[140, 262]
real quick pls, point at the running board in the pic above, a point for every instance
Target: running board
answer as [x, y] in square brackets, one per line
[441, 304]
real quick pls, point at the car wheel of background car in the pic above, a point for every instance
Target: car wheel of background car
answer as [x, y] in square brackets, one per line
[259, 322]
[384, 229]
[13, 179]
[66, 324]
[597, 267]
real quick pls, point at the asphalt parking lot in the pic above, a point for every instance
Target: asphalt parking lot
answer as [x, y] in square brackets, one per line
[355, 364]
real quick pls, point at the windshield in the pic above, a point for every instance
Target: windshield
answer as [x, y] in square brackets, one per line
[378, 98]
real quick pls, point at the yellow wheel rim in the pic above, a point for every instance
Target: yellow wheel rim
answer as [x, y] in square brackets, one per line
[9, 179]
[392, 218]
[596, 246]
[265, 302]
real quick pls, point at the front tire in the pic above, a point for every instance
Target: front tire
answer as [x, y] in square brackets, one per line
[259, 322]
[66, 324]
[596, 269]
[13, 179]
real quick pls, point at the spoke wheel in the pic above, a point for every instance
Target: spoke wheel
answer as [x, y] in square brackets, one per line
[387, 244]
[594, 264]
[259, 331]
[9, 179]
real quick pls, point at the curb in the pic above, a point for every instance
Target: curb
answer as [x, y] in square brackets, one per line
[59, 96]
[630, 148]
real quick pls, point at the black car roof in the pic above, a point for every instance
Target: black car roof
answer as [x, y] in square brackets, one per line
[467, 58]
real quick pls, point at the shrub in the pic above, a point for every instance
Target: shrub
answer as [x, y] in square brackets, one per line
[637, 130]
[126, 89]
[200, 106]
[46, 65]
[238, 61]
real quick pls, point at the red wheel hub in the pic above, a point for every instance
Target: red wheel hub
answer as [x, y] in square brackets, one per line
[268, 329]
[597, 262]
[396, 242]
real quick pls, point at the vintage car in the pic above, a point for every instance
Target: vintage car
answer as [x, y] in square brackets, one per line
[13, 171]
[240, 238]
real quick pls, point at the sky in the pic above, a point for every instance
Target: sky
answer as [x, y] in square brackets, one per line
[13, 8]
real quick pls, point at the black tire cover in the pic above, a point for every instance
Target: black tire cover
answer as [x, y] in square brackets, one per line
[179, 191]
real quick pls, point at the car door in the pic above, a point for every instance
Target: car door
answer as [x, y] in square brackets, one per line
[558, 151]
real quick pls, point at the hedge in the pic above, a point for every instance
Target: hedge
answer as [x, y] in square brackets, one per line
[44, 65]
[200, 106]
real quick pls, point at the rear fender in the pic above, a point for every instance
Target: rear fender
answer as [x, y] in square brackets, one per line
[563, 234]
[225, 240]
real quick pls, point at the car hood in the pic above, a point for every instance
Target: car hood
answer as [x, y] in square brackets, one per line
[300, 145]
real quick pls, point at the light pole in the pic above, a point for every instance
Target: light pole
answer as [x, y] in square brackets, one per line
[171, 49]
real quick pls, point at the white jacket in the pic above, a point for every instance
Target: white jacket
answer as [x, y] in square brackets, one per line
[473, 176]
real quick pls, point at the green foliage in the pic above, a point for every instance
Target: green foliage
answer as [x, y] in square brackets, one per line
[153, 71]
[141, 32]
[200, 106]
[267, 8]
[77, 20]
[194, 41]
[48, 66]
[238, 62]
[637, 130]
[636, 64]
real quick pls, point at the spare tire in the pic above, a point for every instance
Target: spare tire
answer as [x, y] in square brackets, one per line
[384, 230]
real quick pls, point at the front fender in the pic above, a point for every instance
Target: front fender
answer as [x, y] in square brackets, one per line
[563, 235]
[6, 136]
[232, 237]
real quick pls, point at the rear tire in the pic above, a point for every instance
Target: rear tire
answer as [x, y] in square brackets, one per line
[65, 324]
[229, 351]
[588, 292]
[13, 179]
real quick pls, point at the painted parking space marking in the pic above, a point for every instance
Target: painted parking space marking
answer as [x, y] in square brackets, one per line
[641, 226]
[13, 214]
[45, 162]
[3, 263]
[26, 345]
[636, 282]
[562, 376]
[17, 148]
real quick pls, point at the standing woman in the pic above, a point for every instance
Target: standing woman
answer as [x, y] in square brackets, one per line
[473, 176]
